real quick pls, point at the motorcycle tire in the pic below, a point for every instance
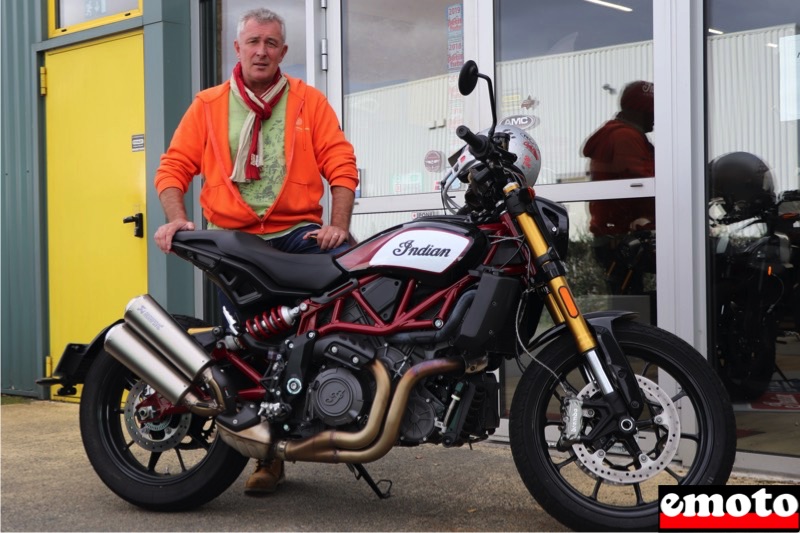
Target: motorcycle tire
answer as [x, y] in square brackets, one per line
[170, 464]
[601, 484]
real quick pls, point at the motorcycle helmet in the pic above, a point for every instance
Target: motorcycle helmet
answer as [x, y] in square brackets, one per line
[742, 183]
[529, 158]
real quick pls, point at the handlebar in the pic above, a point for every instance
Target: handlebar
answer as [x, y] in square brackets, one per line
[479, 145]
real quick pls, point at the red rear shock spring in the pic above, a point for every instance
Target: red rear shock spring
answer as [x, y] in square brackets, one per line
[274, 321]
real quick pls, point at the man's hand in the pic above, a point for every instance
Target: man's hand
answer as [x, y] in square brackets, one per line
[172, 202]
[328, 237]
[165, 233]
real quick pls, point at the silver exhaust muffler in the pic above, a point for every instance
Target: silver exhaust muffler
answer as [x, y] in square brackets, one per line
[158, 328]
[154, 346]
[133, 352]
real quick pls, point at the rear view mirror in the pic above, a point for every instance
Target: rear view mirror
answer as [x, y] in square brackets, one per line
[468, 78]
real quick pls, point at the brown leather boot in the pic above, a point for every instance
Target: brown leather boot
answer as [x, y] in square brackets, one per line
[266, 477]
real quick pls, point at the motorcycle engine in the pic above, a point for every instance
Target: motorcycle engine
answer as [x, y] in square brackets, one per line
[419, 421]
[336, 396]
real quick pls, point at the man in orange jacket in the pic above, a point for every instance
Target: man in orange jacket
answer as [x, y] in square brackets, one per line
[261, 176]
[620, 149]
[261, 140]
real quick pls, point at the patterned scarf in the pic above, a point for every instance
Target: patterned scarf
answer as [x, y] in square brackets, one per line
[250, 154]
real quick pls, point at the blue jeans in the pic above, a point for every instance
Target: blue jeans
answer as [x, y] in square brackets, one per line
[294, 243]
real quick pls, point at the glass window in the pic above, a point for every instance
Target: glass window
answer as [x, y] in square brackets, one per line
[562, 66]
[754, 231]
[401, 102]
[366, 225]
[294, 15]
[73, 15]
[590, 281]
[576, 76]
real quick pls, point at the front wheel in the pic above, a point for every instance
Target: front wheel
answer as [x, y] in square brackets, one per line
[685, 434]
[167, 463]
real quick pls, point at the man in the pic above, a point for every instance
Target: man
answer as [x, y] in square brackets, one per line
[620, 149]
[261, 141]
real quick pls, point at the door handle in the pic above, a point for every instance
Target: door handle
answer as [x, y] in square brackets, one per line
[138, 227]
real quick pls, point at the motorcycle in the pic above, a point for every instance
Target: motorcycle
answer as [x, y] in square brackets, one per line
[396, 342]
[756, 291]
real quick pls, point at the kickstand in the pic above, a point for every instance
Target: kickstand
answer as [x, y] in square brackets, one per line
[359, 471]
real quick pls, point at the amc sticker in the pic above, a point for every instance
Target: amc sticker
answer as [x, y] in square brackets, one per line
[429, 250]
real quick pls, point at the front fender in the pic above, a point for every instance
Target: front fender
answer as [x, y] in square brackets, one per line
[612, 357]
[75, 363]
[603, 319]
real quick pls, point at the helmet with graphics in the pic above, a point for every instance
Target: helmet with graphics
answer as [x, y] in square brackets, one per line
[529, 158]
[742, 183]
[516, 141]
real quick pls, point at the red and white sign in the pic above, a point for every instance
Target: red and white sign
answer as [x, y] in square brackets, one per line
[433, 161]
[728, 508]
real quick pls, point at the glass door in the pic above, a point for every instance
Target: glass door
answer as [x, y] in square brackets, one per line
[577, 75]
[400, 64]
[754, 216]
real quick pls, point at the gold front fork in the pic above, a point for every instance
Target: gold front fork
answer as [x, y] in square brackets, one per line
[560, 302]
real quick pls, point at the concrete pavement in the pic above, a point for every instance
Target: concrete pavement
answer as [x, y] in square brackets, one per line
[47, 484]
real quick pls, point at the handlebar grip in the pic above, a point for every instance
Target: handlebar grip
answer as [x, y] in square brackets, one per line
[478, 143]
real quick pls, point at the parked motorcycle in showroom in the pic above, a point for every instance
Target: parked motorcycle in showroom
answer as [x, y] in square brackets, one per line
[753, 264]
[755, 253]
[395, 342]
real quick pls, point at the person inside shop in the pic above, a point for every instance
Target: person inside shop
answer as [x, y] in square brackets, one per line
[624, 242]
[262, 141]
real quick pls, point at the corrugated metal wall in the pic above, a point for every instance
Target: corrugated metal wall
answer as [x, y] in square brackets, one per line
[392, 129]
[390, 126]
[23, 305]
[744, 97]
[572, 102]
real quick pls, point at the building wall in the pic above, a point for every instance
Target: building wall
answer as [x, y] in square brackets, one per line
[23, 306]
[24, 312]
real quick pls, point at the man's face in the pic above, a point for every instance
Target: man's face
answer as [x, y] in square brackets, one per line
[260, 49]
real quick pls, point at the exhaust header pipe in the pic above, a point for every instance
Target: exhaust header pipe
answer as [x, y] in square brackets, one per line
[154, 346]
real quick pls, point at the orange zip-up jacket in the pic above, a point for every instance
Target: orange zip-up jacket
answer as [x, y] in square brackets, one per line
[314, 145]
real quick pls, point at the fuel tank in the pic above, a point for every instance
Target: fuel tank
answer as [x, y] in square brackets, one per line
[435, 250]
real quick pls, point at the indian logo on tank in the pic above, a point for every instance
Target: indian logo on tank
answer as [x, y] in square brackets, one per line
[429, 250]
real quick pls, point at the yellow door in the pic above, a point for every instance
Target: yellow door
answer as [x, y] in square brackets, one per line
[95, 179]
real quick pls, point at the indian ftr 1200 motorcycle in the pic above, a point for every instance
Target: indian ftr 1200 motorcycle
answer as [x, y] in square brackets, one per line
[396, 343]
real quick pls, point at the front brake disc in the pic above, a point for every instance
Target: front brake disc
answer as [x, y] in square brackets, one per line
[662, 443]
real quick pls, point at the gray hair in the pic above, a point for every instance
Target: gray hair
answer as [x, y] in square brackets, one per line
[261, 15]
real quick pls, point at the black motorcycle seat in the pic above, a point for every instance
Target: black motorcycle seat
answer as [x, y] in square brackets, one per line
[312, 272]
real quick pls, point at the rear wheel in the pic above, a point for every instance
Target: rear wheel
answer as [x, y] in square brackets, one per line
[611, 482]
[166, 463]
